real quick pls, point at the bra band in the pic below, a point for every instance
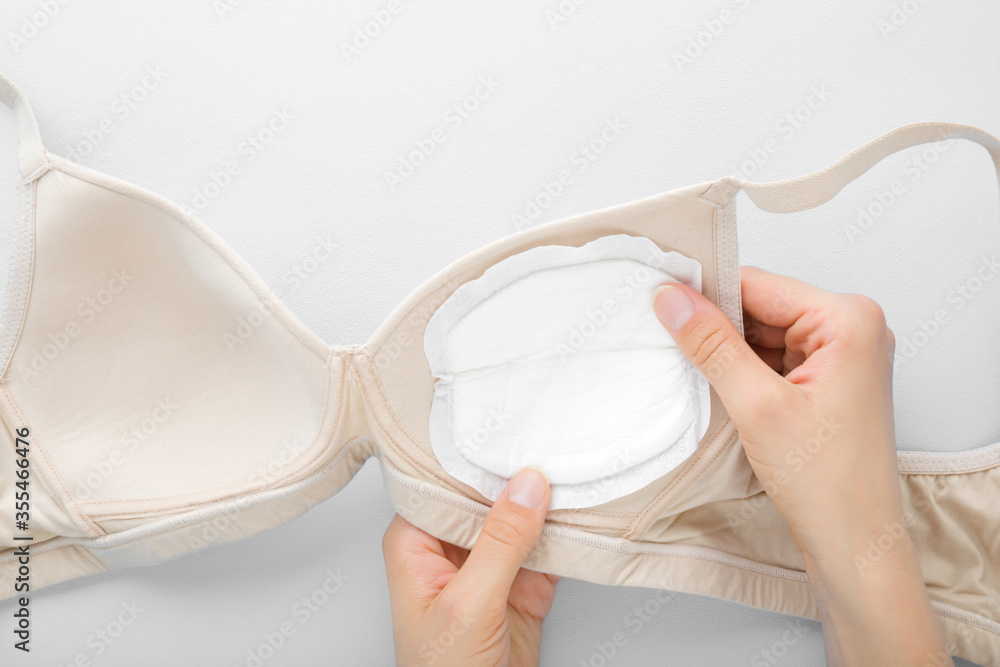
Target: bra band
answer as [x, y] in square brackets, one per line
[819, 187]
[31, 155]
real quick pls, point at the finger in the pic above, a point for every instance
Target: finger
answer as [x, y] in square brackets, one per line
[407, 550]
[779, 301]
[711, 342]
[510, 532]
[892, 347]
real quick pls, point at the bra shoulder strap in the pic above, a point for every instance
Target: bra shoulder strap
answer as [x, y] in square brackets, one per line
[31, 154]
[819, 187]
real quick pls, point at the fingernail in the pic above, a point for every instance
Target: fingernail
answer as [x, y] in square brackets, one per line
[527, 488]
[672, 306]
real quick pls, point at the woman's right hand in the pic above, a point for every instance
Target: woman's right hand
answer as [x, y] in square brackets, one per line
[810, 394]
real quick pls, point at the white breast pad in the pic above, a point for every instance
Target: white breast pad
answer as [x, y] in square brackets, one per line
[554, 357]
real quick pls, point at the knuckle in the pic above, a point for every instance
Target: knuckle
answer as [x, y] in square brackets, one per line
[863, 322]
[869, 314]
[714, 347]
[505, 531]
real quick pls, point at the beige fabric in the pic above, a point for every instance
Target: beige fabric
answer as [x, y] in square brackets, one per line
[126, 320]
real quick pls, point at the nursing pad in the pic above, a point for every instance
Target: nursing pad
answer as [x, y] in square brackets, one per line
[555, 358]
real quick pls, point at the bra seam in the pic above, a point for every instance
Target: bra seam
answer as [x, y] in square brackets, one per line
[968, 617]
[184, 220]
[913, 462]
[69, 502]
[726, 241]
[21, 273]
[713, 451]
[152, 530]
[387, 409]
[237, 495]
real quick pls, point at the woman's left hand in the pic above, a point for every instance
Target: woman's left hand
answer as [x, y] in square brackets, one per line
[451, 606]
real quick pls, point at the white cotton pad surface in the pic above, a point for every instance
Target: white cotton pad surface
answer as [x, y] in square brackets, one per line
[554, 358]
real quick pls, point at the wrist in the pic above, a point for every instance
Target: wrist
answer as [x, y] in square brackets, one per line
[852, 546]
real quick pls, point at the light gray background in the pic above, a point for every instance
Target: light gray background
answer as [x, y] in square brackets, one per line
[558, 83]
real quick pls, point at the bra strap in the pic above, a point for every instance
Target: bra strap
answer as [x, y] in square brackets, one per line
[31, 155]
[819, 187]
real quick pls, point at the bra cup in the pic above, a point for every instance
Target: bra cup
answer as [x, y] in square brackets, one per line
[402, 387]
[151, 374]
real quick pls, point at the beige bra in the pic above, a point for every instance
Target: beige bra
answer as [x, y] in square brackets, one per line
[165, 401]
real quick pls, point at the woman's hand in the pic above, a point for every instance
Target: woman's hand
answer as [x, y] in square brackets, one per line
[810, 393]
[451, 606]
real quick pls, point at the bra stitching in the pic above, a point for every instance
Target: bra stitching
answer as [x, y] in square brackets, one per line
[20, 275]
[241, 494]
[729, 302]
[69, 501]
[57, 543]
[387, 409]
[959, 615]
[183, 220]
[686, 478]
[693, 461]
[934, 463]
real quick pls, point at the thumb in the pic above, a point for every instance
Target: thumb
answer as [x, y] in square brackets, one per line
[510, 532]
[711, 342]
